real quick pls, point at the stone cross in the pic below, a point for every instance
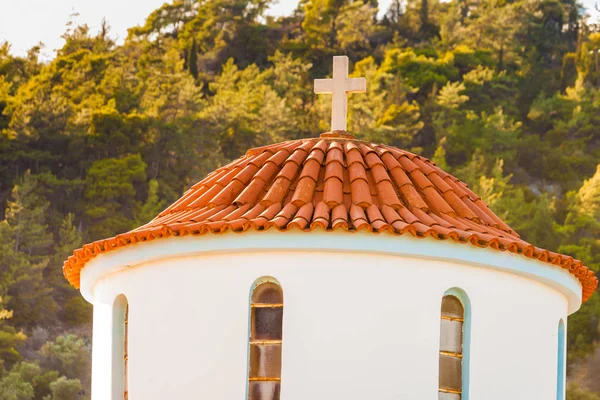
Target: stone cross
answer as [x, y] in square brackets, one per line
[339, 87]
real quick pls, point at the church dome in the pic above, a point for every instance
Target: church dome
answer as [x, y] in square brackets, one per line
[333, 183]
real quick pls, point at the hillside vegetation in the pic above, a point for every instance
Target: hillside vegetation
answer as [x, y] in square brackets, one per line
[504, 94]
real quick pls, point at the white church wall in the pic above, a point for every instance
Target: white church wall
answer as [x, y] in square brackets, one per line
[448, 250]
[355, 326]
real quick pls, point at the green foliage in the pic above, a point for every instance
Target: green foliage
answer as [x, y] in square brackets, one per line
[245, 110]
[574, 392]
[31, 373]
[110, 194]
[419, 70]
[355, 25]
[69, 355]
[13, 387]
[450, 95]
[151, 207]
[10, 339]
[27, 380]
[75, 310]
[23, 261]
[192, 59]
[98, 140]
[581, 238]
[26, 215]
[581, 230]
[65, 389]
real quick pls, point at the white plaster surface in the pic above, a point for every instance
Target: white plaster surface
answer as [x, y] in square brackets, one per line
[356, 325]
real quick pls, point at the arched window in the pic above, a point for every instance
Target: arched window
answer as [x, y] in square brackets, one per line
[120, 348]
[560, 368]
[454, 336]
[266, 318]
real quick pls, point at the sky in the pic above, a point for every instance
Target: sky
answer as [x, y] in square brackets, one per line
[24, 23]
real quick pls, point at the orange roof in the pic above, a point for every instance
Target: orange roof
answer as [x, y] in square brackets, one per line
[330, 183]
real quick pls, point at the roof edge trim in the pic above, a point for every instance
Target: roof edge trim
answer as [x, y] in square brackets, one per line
[142, 253]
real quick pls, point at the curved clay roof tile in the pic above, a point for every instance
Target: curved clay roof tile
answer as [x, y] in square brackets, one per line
[329, 183]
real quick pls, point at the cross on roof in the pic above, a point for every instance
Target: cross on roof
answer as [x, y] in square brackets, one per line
[340, 86]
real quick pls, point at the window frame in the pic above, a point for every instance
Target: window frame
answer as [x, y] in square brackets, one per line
[252, 341]
[462, 296]
[120, 348]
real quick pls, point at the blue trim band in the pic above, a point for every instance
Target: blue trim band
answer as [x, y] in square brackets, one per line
[337, 241]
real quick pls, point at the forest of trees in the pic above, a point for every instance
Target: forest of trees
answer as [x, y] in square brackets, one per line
[504, 94]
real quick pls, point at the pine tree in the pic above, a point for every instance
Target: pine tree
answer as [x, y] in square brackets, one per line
[428, 30]
[10, 338]
[27, 216]
[110, 191]
[75, 310]
[26, 244]
[192, 59]
[152, 206]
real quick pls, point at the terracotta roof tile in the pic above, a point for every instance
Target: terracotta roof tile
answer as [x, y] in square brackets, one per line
[268, 171]
[419, 179]
[400, 177]
[334, 170]
[357, 171]
[289, 171]
[361, 194]
[354, 156]
[298, 156]
[305, 213]
[373, 159]
[311, 169]
[321, 216]
[279, 157]
[277, 191]
[407, 164]
[390, 214]
[359, 218]
[304, 191]
[479, 212]
[425, 165]
[228, 194]
[412, 197]
[237, 213]
[333, 183]
[288, 211]
[339, 216]
[436, 202]
[407, 215]
[335, 154]
[202, 200]
[459, 207]
[380, 173]
[457, 189]
[226, 178]
[456, 223]
[251, 192]
[221, 215]
[439, 183]
[246, 174]
[387, 194]
[424, 217]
